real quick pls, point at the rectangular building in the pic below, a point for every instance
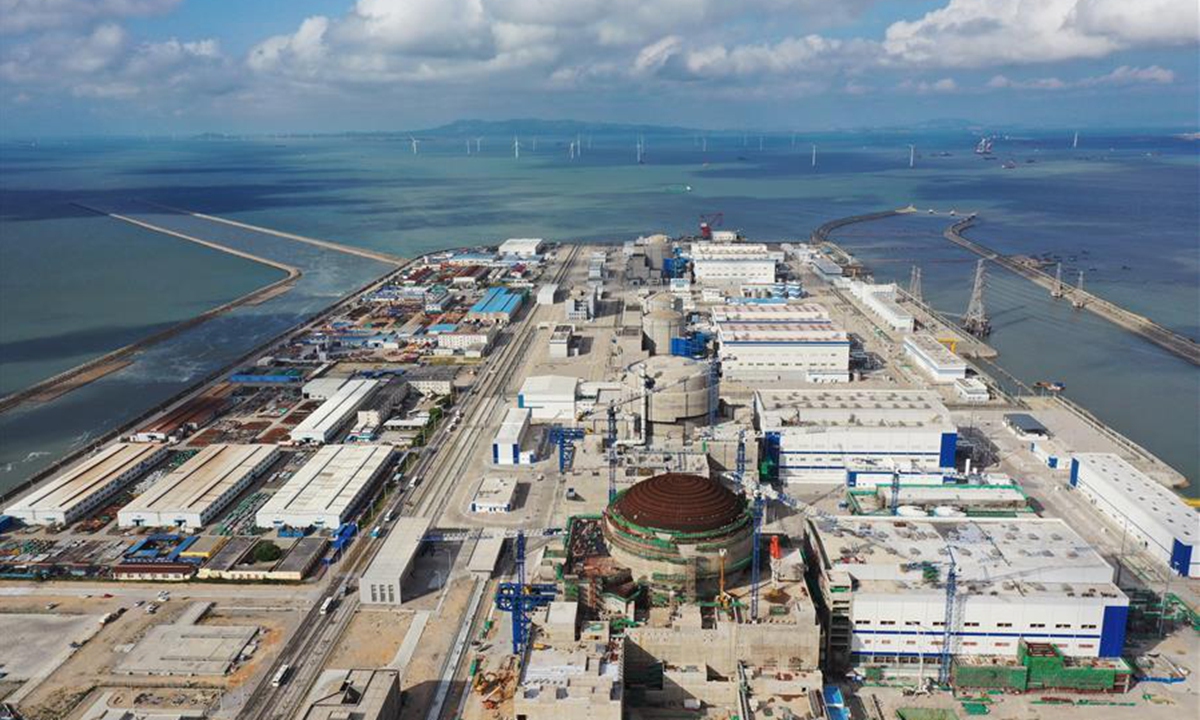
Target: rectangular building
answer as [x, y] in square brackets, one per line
[383, 579]
[835, 436]
[582, 302]
[507, 446]
[327, 488]
[733, 263]
[770, 312]
[498, 305]
[880, 300]
[495, 495]
[469, 337]
[525, 248]
[549, 398]
[547, 294]
[333, 414]
[86, 485]
[367, 694]
[1152, 515]
[193, 494]
[934, 358]
[772, 351]
[883, 581]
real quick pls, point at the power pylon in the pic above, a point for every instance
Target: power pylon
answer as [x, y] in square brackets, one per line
[976, 320]
[914, 285]
[1057, 290]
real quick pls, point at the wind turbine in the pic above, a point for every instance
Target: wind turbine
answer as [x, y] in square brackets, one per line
[478, 144]
[414, 142]
[468, 146]
[814, 155]
[912, 155]
[1075, 142]
[516, 148]
[572, 150]
[641, 149]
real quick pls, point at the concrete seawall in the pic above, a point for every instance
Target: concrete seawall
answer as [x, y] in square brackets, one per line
[112, 361]
[1131, 321]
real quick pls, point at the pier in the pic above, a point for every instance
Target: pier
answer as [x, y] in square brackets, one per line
[1131, 321]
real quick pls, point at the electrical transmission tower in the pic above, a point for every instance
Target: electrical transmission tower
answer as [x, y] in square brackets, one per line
[976, 320]
[1057, 290]
[1077, 301]
[914, 285]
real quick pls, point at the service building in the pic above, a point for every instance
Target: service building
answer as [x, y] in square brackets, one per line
[772, 351]
[330, 416]
[934, 358]
[856, 437]
[384, 578]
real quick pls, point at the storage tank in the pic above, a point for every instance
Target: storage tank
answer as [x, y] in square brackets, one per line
[681, 388]
[657, 248]
[658, 327]
[662, 301]
[910, 511]
[947, 511]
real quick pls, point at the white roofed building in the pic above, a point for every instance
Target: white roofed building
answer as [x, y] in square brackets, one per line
[524, 248]
[856, 437]
[774, 351]
[549, 398]
[1154, 516]
[86, 485]
[733, 263]
[382, 583]
[934, 358]
[327, 488]
[192, 495]
[333, 414]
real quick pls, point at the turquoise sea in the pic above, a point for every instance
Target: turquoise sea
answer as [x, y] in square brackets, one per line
[1123, 208]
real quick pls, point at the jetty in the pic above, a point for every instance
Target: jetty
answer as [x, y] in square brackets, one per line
[1140, 325]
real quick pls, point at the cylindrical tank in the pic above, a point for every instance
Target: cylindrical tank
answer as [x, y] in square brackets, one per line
[947, 511]
[681, 388]
[657, 247]
[910, 511]
[658, 327]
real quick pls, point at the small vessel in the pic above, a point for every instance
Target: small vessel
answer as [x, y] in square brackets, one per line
[984, 147]
[1008, 165]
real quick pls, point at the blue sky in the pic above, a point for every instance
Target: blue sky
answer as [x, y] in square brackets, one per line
[170, 66]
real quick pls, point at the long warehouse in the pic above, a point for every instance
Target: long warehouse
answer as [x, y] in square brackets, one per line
[192, 495]
[86, 485]
[791, 351]
[1153, 516]
[334, 413]
[327, 488]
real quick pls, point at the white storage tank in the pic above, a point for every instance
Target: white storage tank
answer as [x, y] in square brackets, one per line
[681, 388]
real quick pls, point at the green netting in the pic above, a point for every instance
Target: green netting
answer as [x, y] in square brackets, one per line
[1001, 677]
[926, 714]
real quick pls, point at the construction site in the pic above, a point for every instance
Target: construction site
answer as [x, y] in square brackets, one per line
[691, 477]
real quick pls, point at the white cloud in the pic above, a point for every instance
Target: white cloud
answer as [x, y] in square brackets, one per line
[980, 33]
[20, 16]
[1123, 75]
[943, 85]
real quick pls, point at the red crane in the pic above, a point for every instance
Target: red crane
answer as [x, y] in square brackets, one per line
[709, 221]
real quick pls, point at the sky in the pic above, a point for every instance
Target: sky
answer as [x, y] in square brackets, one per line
[85, 67]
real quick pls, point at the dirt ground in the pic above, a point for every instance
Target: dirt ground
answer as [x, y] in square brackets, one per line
[372, 639]
[425, 670]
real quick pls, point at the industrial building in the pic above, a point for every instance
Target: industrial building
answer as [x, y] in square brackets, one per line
[523, 248]
[495, 495]
[733, 263]
[972, 390]
[547, 294]
[194, 493]
[934, 358]
[769, 312]
[826, 269]
[562, 342]
[383, 580]
[880, 300]
[578, 680]
[333, 414]
[855, 437]
[674, 531]
[549, 398]
[361, 694]
[511, 437]
[327, 488]
[796, 351]
[322, 388]
[884, 589]
[582, 303]
[86, 485]
[477, 338]
[1151, 515]
[498, 305]
[432, 379]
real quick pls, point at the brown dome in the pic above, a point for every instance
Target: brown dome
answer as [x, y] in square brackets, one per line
[679, 502]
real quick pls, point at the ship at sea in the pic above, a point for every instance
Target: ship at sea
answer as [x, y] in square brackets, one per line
[984, 147]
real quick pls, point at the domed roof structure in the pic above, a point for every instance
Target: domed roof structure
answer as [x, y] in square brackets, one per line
[679, 502]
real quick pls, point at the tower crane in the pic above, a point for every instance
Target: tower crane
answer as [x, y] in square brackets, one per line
[520, 598]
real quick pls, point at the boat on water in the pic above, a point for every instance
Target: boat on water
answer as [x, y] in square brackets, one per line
[984, 147]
